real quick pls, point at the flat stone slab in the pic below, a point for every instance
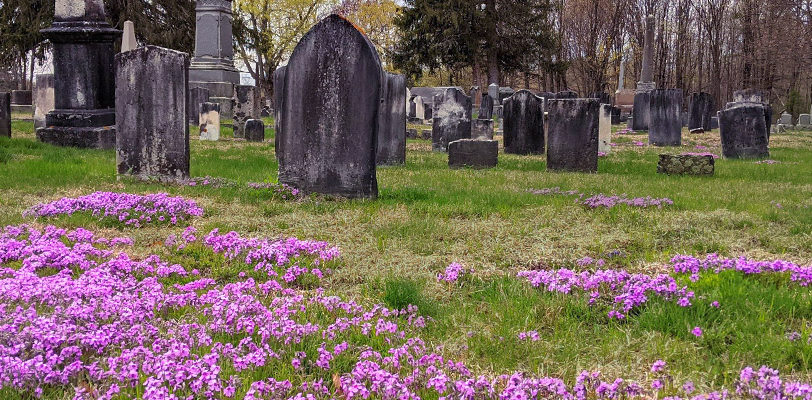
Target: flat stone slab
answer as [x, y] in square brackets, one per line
[684, 164]
[473, 153]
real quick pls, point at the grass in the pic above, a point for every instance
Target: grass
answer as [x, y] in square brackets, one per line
[428, 216]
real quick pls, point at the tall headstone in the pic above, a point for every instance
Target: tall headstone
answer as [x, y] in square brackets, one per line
[573, 135]
[392, 122]
[333, 88]
[84, 112]
[486, 107]
[197, 96]
[246, 106]
[641, 116]
[702, 110]
[605, 129]
[665, 126]
[493, 92]
[744, 130]
[524, 123]
[212, 66]
[5, 114]
[210, 121]
[254, 130]
[278, 105]
[152, 127]
[43, 98]
[452, 118]
[128, 41]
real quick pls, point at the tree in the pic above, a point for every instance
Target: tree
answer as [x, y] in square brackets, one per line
[20, 23]
[165, 23]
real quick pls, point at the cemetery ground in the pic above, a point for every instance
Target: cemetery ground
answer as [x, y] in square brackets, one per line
[491, 221]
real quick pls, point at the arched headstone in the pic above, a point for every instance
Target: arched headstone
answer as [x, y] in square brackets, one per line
[452, 118]
[524, 123]
[702, 110]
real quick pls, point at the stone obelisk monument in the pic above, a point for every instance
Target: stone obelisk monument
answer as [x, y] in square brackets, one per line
[641, 98]
[213, 64]
[84, 112]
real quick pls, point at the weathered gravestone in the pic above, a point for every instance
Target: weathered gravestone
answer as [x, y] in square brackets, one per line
[392, 122]
[84, 112]
[329, 121]
[573, 135]
[473, 153]
[43, 98]
[212, 66]
[411, 133]
[425, 134]
[482, 129]
[486, 107]
[197, 96]
[566, 94]
[640, 117]
[505, 92]
[493, 92]
[152, 126]
[5, 114]
[254, 130]
[665, 123]
[714, 123]
[685, 164]
[785, 119]
[245, 108]
[210, 121]
[743, 129]
[702, 110]
[452, 118]
[128, 41]
[279, 105]
[524, 123]
[804, 121]
[603, 97]
[605, 129]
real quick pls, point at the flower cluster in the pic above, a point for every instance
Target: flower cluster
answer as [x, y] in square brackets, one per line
[453, 273]
[286, 192]
[131, 209]
[684, 264]
[602, 200]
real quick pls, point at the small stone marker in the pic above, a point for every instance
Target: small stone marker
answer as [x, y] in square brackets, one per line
[5, 114]
[152, 127]
[392, 122]
[702, 110]
[605, 129]
[254, 130]
[210, 121]
[685, 164]
[573, 135]
[486, 107]
[714, 123]
[743, 130]
[425, 134]
[804, 122]
[452, 118]
[128, 41]
[524, 123]
[473, 153]
[665, 119]
[43, 98]
[785, 119]
[197, 96]
[482, 129]
[245, 108]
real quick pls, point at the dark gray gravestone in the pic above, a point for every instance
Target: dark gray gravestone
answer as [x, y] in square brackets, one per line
[482, 129]
[152, 125]
[452, 118]
[566, 94]
[523, 123]
[573, 135]
[254, 130]
[640, 113]
[197, 96]
[246, 106]
[425, 134]
[685, 164]
[714, 122]
[665, 113]
[5, 114]
[392, 122]
[743, 130]
[278, 105]
[702, 110]
[329, 119]
[21, 97]
[84, 112]
[473, 153]
[486, 107]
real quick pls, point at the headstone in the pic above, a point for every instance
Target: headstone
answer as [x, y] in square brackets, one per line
[21, 97]
[428, 110]
[330, 135]
[616, 116]
[749, 96]
[425, 134]
[128, 41]
[212, 66]
[411, 108]
[605, 129]
[210, 121]
[392, 122]
[665, 127]
[743, 131]
[524, 123]
[245, 108]
[411, 133]
[84, 112]
[505, 92]
[279, 106]
[804, 121]
[640, 117]
[482, 129]
[685, 164]
[5, 114]
[473, 153]
[254, 130]
[566, 94]
[493, 91]
[641, 98]
[152, 126]
[452, 118]
[702, 110]
[714, 123]
[197, 96]
[43, 98]
[573, 135]
[785, 119]
[486, 107]
[419, 108]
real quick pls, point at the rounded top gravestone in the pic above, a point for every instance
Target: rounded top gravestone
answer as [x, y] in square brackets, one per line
[331, 98]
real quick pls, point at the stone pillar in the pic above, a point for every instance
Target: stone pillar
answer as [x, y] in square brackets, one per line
[666, 117]
[213, 64]
[254, 130]
[621, 78]
[245, 107]
[605, 129]
[641, 117]
[152, 126]
[210, 121]
[5, 114]
[43, 98]
[128, 41]
[647, 75]
[392, 122]
[701, 112]
[744, 131]
[452, 118]
[573, 135]
[524, 123]
[84, 88]
[197, 96]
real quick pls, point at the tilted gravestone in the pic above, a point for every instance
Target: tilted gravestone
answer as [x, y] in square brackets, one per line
[486, 107]
[702, 110]
[665, 119]
[452, 118]
[210, 121]
[197, 96]
[685, 164]
[5, 114]
[246, 107]
[523, 128]
[573, 135]
[743, 129]
[254, 130]
[473, 153]
[392, 122]
[605, 129]
[330, 115]
[43, 98]
[482, 129]
[278, 105]
[152, 125]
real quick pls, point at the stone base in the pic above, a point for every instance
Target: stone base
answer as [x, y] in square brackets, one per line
[473, 153]
[685, 164]
[22, 109]
[88, 138]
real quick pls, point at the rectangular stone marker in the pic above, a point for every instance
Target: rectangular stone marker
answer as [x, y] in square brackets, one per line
[804, 120]
[254, 130]
[473, 153]
[278, 106]
[210, 121]
[605, 129]
[411, 134]
[21, 97]
[152, 125]
[452, 118]
[743, 131]
[486, 107]
[665, 119]
[685, 164]
[524, 123]
[482, 129]
[197, 96]
[5, 114]
[43, 98]
[701, 112]
[245, 107]
[392, 122]
[714, 123]
[785, 119]
[573, 135]
[640, 120]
